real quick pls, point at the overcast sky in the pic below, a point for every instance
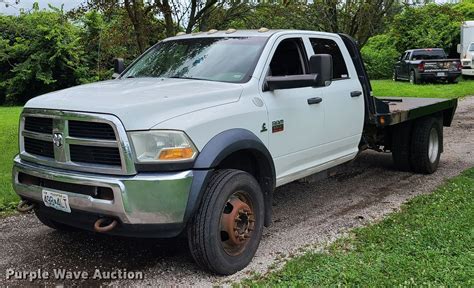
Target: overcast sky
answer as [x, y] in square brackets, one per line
[27, 4]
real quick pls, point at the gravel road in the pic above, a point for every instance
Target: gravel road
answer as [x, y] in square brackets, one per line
[305, 215]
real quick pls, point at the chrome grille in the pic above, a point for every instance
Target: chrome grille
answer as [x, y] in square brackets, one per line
[75, 141]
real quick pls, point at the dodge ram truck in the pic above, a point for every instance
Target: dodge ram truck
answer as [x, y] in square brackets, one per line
[192, 138]
[426, 65]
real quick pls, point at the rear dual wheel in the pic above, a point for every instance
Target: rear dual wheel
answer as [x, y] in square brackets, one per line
[226, 231]
[418, 147]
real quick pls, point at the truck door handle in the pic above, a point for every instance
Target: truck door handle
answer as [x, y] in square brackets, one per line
[314, 100]
[356, 93]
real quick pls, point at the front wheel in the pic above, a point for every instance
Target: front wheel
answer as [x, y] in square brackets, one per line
[413, 79]
[226, 230]
[395, 75]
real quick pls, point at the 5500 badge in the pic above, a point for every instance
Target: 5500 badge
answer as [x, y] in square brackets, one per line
[278, 126]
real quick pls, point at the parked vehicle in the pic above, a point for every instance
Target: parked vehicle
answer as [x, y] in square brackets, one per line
[423, 65]
[466, 48]
[195, 135]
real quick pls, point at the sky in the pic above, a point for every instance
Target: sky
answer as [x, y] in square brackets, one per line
[27, 4]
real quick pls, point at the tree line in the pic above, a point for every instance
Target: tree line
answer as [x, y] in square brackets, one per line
[47, 50]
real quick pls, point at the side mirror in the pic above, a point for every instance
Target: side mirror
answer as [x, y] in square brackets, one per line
[291, 81]
[458, 48]
[119, 67]
[321, 64]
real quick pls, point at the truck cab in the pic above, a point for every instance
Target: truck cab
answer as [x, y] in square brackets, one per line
[466, 48]
[467, 60]
[193, 137]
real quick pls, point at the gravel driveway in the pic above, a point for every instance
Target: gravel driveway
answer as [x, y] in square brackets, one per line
[305, 215]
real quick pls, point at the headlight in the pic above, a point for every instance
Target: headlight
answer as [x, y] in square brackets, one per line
[162, 146]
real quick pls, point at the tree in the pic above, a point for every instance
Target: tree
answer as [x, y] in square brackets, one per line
[427, 26]
[39, 52]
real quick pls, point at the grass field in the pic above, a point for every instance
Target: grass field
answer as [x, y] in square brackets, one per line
[405, 89]
[8, 148]
[429, 243]
[9, 122]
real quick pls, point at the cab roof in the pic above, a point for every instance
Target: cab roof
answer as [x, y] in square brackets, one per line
[262, 32]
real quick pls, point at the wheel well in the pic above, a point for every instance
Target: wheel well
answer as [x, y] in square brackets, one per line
[256, 164]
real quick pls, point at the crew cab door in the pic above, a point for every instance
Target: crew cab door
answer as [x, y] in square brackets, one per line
[405, 65]
[343, 101]
[296, 118]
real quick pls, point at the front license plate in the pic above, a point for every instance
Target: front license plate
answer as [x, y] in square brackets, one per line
[56, 200]
[440, 74]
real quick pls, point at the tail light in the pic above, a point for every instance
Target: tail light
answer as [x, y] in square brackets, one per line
[421, 67]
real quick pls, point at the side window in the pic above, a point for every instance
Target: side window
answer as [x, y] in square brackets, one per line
[289, 58]
[328, 46]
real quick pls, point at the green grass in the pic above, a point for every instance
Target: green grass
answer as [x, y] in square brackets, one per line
[405, 89]
[430, 242]
[8, 148]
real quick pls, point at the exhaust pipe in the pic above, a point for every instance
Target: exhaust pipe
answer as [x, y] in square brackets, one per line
[103, 225]
[25, 206]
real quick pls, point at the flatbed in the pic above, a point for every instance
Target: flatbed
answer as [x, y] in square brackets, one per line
[400, 109]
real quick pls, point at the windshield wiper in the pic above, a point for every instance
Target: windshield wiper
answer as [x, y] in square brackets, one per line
[183, 77]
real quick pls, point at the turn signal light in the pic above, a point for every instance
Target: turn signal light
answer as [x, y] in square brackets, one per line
[176, 154]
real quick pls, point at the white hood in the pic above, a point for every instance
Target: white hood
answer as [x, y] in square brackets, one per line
[141, 103]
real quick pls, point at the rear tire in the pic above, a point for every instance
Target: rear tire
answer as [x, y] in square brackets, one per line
[401, 136]
[53, 224]
[426, 145]
[227, 201]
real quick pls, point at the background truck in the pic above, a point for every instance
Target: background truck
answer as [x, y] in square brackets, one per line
[428, 64]
[466, 48]
[194, 136]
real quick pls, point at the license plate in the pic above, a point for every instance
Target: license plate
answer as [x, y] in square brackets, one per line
[56, 201]
[440, 74]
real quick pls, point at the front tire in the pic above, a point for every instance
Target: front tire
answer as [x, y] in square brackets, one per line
[426, 145]
[413, 79]
[225, 233]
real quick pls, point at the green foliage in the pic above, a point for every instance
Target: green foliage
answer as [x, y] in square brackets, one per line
[39, 52]
[427, 26]
[429, 243]
[379, 54]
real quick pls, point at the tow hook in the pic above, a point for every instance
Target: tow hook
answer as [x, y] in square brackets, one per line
[25, 206]
[103, 225]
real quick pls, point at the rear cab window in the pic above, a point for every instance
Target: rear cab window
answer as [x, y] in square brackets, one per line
[328, 46]
[428, 54]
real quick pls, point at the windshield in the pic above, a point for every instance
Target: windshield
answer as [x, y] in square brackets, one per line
[216, 59]
[428, 54]
[471, 47]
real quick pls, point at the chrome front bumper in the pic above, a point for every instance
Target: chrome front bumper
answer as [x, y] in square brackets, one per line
[147, 198]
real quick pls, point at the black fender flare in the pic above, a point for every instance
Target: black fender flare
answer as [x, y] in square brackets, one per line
[216, 150]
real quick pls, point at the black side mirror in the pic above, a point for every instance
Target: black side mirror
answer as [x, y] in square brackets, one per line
[289, 82]
[119, 67]
[321, 64]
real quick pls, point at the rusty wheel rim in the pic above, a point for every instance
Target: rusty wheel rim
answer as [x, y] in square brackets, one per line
[237, 223]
